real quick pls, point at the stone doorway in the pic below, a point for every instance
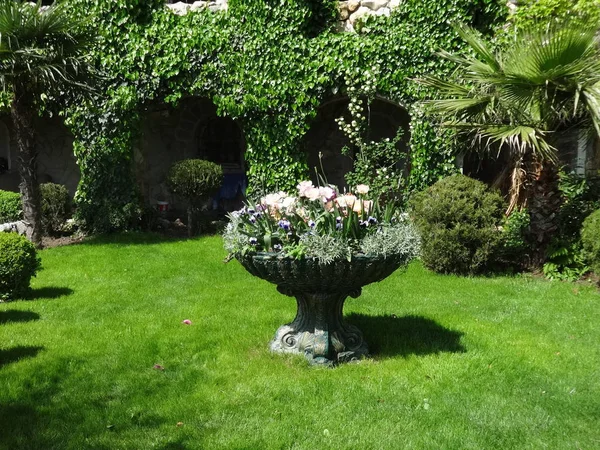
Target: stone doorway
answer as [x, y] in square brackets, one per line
[192, 130]
[325, 138]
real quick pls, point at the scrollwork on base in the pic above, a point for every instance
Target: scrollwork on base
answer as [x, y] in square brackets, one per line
[320, 332]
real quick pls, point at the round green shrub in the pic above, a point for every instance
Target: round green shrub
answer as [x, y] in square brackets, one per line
[18, 263]
[459, 221]
[195, 179]
[56, 207]
[590, 237]
[10, 206]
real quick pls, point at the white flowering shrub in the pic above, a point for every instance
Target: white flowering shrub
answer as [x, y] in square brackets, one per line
[377, 163]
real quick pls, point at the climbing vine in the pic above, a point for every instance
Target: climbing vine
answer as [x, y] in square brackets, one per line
[268, 65]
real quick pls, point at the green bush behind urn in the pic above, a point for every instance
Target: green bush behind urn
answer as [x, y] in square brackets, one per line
[10, 206]
[195, 180]
[18, 263]
[56, 207]
[459, 220]
[590, 236]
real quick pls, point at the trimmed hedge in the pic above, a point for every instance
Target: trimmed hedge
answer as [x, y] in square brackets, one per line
[459, 219]
[11, 208]
[196, 180]
[18, 263]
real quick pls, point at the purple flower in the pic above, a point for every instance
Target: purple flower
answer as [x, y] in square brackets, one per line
[285, 224]
[372, 220]
[252, 219]
[253, 241]
[338, 219]
[277, 247]
[338, 226]
[311, 223]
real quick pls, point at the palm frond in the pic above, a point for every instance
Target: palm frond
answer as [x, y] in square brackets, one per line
[480, 47]
[41, 47]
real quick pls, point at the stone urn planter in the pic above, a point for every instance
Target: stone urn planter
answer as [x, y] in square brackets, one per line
[319, 330]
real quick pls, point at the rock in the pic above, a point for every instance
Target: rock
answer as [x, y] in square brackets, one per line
[374, 5]
[198, 5]
[344, 13]
[179, 8]
[14, 227]
[383, 12]
[353, 5]
[361, 12]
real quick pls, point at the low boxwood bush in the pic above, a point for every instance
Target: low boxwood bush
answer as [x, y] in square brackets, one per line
[56, 207]
[195, 180]
[590, 237]
[459, 220]
[18, 263]
[10, 206]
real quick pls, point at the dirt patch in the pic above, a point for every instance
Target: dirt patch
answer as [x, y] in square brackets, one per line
[51, 242]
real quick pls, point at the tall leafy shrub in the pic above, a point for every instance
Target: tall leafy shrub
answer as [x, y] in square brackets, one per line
[10, 206]
[56, 207]
[590, 236]
[459, 220]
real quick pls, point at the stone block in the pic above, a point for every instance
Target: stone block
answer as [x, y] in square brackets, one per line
[353, 5]
[343, 8]
[360, 12]
[198, 5]
[179, 8]
[374, 5]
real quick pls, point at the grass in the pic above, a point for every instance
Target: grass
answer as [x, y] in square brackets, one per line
[458, 363]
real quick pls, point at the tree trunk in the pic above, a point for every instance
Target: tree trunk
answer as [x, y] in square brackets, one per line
[190, 224]
[23, 113]
[544, 207]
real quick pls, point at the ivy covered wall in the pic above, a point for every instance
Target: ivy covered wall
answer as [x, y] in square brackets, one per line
[266, 64]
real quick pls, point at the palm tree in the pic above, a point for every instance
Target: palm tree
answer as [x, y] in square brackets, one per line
[520, 100]
[41, 50]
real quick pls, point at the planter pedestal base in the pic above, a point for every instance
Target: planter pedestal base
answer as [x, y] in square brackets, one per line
[319, 330]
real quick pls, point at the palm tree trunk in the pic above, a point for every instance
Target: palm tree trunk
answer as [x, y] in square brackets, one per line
[23, 113]
[544, 207]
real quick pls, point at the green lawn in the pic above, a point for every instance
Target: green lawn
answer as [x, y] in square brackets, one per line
[457, 363]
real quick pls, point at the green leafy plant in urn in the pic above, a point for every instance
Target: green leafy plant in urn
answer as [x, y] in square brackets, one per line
[320, 247]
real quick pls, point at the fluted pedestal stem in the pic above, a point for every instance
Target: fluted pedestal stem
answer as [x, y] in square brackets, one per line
[319, 330]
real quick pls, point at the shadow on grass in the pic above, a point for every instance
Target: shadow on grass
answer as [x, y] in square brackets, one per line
[48, 293]
[17, 353]
[133, 238]
[17, 316]
[389, 336]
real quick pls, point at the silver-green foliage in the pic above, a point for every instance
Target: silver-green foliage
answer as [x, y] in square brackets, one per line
[325, 248]
[399, 238]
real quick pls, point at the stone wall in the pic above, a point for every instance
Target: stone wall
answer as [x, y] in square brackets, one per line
[56, 162]
[351, 11]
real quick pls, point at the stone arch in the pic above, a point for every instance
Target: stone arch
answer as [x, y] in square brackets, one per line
[324, 136]
[191, 130]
